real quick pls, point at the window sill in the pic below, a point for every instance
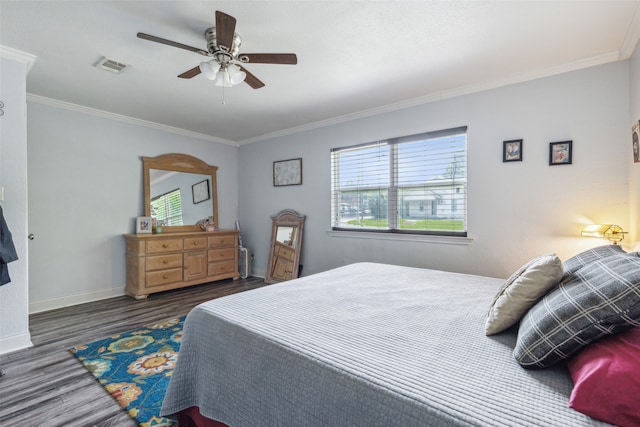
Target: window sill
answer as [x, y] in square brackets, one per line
[426, 238]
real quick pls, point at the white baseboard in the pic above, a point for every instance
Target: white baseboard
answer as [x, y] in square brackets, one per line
[15, 342]
[69, 300]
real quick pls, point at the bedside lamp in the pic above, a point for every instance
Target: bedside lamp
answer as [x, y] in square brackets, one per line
[609, 231]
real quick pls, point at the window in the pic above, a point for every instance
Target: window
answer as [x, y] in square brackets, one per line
[167, 208]
[412, 184]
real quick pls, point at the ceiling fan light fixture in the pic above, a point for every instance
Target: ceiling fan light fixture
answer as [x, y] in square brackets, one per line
[236, 75]
[210, 69]
[223, 79]
[230, 75]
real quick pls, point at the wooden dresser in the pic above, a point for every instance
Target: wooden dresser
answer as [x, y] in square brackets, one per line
[159, 262]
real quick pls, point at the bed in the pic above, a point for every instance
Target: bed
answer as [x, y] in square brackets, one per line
[366, 344]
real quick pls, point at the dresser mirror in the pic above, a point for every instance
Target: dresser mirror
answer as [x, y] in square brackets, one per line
[179, 191]
[286, 245]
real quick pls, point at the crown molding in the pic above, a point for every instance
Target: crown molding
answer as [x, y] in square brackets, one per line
[439, 96]
[126, 119]
[18, 56]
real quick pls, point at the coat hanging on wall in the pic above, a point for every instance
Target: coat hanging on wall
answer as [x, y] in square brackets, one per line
[7, 250]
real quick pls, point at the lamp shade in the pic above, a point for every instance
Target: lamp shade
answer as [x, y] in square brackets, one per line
[236, 75]
[611, 232]
[209, 69]
[223, 78]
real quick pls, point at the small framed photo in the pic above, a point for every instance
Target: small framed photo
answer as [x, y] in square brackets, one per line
[635, 142]
[143, 225]
[512, 150]
[287, 172]
[201, 191]
[560, 153]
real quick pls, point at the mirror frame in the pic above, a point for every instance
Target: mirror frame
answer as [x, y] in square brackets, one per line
[285, 218]
[179, 163]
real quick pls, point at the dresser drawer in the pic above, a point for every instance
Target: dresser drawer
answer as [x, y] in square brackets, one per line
[163, 277]
[222, 267]
[193, 243]
[163, 262]
[218, 241]
[222, 254]
[160, 246]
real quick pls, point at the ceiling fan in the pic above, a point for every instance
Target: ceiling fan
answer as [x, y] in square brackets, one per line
[226, 65]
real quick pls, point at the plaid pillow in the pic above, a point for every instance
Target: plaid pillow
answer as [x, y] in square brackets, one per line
[600, 299]
[576, 262]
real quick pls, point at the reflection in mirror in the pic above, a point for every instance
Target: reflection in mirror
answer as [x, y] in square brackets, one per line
[179, 191]
[172, 201]
[286, 244]
[286, 235]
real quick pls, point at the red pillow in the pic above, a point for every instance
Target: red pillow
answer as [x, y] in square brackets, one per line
[606, 377]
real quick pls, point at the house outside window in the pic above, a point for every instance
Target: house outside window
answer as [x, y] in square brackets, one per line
[412, 184]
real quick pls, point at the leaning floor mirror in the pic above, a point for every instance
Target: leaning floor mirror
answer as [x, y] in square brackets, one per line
[286, 245]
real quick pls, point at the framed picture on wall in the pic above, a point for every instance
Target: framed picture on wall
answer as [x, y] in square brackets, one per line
[512, 150]
[560, 153]
[143, 225]
[635, 142]
[201, 191]
[287, 172]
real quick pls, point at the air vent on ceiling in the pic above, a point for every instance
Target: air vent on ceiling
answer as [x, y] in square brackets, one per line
[111, 65]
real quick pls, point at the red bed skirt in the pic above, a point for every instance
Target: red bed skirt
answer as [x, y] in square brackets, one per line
[191, 417]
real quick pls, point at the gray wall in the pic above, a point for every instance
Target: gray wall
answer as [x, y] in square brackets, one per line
[85, 183]
[85, 190]
[516, 210]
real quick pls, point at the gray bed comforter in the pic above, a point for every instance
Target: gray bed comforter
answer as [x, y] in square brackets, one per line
[362, 345]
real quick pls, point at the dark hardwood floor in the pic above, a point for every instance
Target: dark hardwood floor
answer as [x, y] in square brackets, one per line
[46, 386]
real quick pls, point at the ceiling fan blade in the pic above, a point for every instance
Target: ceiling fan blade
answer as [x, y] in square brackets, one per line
[172, 43]
[225, 29]
[190, 73]
[268, 58]
[251, 80]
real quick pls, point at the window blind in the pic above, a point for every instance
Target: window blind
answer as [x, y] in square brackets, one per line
[167, 208]
[410, 184]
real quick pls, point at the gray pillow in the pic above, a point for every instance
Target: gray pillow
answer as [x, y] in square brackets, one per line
[576, 262]
[599, 299]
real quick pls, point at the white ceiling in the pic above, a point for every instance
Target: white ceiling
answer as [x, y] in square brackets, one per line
[355, 58]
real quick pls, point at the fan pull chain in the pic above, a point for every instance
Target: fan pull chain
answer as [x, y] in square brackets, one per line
[223, 84]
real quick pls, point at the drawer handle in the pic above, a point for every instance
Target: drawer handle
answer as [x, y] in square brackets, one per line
[164, 276]
[164, 245]
[165, 261]
[195, 243]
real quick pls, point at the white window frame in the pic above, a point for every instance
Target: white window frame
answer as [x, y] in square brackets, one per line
[394, 209]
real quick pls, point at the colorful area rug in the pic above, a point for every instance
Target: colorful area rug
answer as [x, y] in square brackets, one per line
[135, 367]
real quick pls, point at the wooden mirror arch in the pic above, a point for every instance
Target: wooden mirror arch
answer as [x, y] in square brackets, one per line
[286, 246]
[193, 171]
